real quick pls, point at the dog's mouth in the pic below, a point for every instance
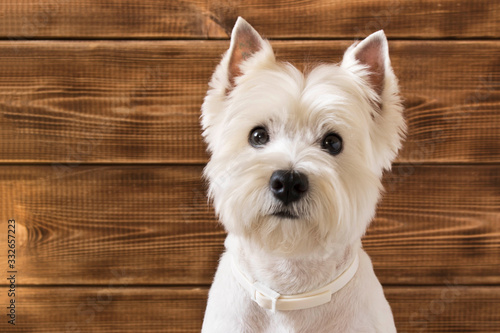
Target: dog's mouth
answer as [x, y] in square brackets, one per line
[285, 215]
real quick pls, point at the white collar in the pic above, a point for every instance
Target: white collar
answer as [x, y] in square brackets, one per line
[271, 300]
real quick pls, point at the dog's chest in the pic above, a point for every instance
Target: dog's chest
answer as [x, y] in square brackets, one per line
[328, 318]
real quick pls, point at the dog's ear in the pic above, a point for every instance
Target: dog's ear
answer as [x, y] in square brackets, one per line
[369, 60]
[373, 54]
[247, 51]
[245, 42]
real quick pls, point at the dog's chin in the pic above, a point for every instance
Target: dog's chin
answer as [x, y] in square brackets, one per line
[284, 233]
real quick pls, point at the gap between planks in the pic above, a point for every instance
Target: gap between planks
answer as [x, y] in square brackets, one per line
[207, 286]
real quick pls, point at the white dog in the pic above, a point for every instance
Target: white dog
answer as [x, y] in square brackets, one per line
[295, 176]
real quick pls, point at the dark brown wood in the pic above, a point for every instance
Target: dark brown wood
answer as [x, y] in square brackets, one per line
[444, 308]
[106, 309]
[124, 245]
[27, 19]
[129, 102]
[152, 225]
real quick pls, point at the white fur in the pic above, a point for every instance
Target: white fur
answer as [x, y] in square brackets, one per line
[295, 256]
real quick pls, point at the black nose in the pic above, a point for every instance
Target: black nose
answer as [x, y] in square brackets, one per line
[288, 186]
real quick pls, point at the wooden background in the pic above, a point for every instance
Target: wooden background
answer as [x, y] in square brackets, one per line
[101, 156]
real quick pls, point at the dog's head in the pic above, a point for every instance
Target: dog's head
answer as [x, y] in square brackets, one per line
[297, 158]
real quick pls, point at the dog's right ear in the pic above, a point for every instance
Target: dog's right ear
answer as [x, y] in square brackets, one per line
[248, 51]
[245, 42]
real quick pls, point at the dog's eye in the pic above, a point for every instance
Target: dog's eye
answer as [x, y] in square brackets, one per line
[258, 137]
[332, 143]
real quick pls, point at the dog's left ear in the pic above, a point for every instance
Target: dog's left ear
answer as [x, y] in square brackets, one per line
[369, 60]
[373, 54]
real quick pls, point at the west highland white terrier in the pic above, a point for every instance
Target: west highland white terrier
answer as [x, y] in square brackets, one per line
[295, 176]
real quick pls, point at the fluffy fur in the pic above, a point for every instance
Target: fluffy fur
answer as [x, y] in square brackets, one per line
[358, 100]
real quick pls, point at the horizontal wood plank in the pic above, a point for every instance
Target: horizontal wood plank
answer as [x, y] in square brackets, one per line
[152, 225]
[106, 309]
[28, 19]
[128, 102]
[446, 308]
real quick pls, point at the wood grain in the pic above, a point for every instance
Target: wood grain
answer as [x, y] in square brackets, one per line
[101, 156]
[107, 309]
[139, 102]
[446, 308]
[28, 19]
[151, 225]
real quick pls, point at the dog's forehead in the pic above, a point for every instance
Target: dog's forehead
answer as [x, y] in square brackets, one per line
[284, 96]
[326, 97]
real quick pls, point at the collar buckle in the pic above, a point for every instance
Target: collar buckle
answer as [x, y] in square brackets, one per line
[266, 292]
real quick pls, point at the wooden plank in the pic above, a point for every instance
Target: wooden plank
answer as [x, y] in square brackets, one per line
[27, 19]
[151, 225]
[100, 224]
[128, 102]
[446, 308]
[106, 309]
